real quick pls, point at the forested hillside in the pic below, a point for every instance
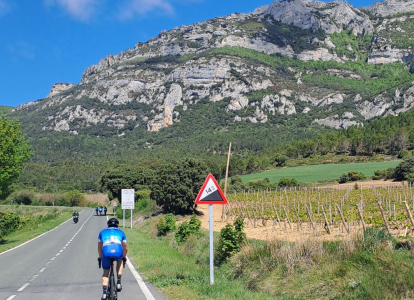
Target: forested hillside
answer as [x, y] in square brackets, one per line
[5, 110]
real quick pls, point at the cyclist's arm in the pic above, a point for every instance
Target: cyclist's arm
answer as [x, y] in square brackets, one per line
[100, 244]
[125, 248]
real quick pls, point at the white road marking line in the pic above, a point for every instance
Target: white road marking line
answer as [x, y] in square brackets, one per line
[23, 287]
[61, 250]
[41, 270]
[34, 277]
[11, 297]
[140, 282]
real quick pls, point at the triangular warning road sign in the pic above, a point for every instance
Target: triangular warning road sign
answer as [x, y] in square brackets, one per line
[210, 192]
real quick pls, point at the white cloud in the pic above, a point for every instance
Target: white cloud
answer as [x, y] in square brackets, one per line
[130, 8]
[79, 9]
[22, 49]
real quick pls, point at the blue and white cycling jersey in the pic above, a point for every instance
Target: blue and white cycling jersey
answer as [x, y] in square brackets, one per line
[112, 239]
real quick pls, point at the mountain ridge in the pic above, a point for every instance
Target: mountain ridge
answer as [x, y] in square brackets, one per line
[321, 62]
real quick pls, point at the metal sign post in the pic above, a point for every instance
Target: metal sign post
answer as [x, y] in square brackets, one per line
[210, 225]
[210, 194]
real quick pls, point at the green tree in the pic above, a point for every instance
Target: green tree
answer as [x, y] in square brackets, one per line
[404, 168]
[177, 185]
[14, 152]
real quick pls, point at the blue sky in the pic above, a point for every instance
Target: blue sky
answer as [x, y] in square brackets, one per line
[49, 41]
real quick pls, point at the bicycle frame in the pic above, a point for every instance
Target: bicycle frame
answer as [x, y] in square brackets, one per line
[112, 293]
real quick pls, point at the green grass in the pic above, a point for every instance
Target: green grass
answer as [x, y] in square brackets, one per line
[322, 172]
[33, 228]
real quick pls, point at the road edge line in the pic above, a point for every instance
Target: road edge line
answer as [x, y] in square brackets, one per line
[139, 280]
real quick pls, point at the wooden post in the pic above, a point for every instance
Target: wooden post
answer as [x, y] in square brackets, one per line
[327, 228]
[310, 218]
[225, 182]
[287, 218]
[299, 226]
[361, 217]
[410, 216]
[383, 217]
[342, 217]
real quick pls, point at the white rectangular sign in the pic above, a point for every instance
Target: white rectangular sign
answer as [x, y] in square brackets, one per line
[127, 199]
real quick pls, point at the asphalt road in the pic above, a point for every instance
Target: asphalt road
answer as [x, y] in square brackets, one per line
[62, 264]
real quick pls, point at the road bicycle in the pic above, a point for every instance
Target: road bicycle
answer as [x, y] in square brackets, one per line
[112, 293]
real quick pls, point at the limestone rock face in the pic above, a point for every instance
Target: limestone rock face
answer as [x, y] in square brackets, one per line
[57, 88]
[316, 15]
[390, 7]
[234, 59]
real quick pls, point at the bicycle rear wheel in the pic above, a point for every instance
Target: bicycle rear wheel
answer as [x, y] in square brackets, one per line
[112, 286]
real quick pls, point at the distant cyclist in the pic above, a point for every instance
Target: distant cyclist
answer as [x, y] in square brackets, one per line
[100, 210]
[105, 209]
[76, 214]
[112, 243]
[96, 210]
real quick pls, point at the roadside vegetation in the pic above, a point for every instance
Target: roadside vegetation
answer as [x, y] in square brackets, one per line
[19, 223]
[363, 267]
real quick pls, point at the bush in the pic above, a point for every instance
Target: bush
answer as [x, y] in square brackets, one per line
[287, 182]
[74, 198]
[230, 241]
[23, 197]
[404, 154]
[351, 176]
[384, 174]
[280, 160]
[187, 228]
[166, 225]
[9, 222]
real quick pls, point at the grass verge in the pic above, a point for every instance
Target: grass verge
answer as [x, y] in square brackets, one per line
[42, 220]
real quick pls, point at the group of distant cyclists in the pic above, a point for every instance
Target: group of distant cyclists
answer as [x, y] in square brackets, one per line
[112, 246]
[101, 210]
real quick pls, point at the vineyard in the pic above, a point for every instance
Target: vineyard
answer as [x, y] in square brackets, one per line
[325, 211]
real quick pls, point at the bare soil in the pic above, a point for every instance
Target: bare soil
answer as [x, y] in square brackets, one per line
[283, 231]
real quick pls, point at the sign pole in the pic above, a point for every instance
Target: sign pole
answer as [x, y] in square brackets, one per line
[131, 218]
[123, 214]
[210, 193]
[210, 208]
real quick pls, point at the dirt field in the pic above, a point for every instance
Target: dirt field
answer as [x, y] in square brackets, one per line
[283, 231]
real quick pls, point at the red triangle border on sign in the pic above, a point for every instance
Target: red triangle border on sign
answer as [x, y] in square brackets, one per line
[223, 199]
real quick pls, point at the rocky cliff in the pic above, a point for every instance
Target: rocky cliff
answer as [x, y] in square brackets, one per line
[290, 58]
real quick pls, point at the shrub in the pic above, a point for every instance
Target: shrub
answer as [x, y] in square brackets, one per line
[231, 240]
[384, 174]
[23, 197]
[287, 182]
[187, 228]
[166, 225]
[280, 160]
[9, 222]
[351, 176]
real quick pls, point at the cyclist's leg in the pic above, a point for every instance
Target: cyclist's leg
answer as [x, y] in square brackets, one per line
[106, 263]
[119, 269]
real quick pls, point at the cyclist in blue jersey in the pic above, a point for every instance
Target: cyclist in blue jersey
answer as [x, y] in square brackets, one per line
[112, 243]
